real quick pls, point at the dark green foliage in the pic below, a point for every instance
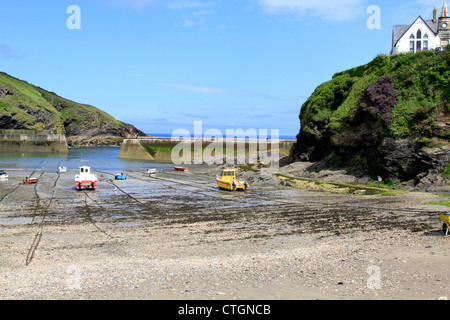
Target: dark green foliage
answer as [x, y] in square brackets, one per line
[335, 159]
[408, 92]
[446, 172]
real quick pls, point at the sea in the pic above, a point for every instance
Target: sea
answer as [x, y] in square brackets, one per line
[99, 158]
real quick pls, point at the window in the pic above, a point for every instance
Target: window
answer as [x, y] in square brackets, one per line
[425, 45]
[419, 34]
[412, 36]
[412, 46]
[425, 36]
[419, 46]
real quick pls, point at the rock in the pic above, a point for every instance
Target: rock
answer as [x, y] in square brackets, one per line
[6, 92]
[263, 180]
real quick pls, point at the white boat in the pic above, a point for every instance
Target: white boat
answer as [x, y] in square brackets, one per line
[62, 169]
[3, 175]
[151, 171]
[85, 180]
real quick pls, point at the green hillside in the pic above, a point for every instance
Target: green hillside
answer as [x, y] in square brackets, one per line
[407, 93]
[24, 106]
[389, 118]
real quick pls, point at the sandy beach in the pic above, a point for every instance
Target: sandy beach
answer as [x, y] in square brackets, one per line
[176, 236]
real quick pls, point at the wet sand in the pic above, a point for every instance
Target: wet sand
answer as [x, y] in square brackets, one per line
[176, 236]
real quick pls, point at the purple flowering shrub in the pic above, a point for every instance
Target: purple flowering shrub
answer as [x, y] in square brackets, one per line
[380, 98]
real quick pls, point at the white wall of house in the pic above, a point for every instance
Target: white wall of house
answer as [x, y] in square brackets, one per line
[411, 41]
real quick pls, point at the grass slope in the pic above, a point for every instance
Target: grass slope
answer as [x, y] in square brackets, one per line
[47, 110]
[414, 92]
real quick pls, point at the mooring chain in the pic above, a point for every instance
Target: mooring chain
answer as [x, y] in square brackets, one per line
[89, 216]
[37, 238]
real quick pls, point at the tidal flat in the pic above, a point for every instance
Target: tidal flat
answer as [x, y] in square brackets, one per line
[174, 235]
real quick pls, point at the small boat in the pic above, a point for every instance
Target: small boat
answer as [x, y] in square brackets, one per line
[3, 175]
[62, 169]
[121, 176]
[30, 180]
[151, 171]
[181, 169]
[228, 181]
[85, 180]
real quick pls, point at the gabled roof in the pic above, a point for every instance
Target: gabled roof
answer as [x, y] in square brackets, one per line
[399, 31]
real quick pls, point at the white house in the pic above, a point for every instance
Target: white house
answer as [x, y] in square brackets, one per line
[422, 34]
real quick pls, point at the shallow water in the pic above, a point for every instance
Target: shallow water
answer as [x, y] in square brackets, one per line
[104, 158]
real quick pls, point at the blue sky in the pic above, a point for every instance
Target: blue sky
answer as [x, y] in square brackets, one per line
[163, 64]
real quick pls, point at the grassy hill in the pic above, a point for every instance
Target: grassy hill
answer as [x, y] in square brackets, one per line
[24, 106]
[390, 117]
[408, 93]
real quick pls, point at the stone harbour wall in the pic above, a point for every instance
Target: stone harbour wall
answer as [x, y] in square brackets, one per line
[32, 142]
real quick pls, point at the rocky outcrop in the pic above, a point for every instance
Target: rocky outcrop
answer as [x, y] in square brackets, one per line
[366, 124]
[6, 92]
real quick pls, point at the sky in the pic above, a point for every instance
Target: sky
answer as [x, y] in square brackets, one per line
[163, 64]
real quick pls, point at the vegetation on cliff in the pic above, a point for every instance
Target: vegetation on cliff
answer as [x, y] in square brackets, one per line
[408, 92]
[25, 106]
[390, 117]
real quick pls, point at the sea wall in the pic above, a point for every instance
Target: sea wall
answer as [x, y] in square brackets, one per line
[161, 149]
[29, 141]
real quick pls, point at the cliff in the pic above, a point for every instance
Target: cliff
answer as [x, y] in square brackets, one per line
[389, 118]
[25, 106]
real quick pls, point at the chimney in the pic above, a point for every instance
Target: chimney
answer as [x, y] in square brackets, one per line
[435, 15]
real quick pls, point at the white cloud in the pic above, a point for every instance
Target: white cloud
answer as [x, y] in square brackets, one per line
[190, 23]
[329, 10]
[188, 87]
[134, 3]
[189, 4]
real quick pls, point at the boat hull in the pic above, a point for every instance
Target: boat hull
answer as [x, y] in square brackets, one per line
[229, 186]
[31, 181]
[86, 185]
[181, 169]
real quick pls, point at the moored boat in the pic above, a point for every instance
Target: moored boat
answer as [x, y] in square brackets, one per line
[121, 176]
[182, 169]
[30, 180]
[3, 175]
[62, 169]
[229, 182]
[85, 180]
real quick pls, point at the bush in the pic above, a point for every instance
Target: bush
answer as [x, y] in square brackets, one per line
[380, 98]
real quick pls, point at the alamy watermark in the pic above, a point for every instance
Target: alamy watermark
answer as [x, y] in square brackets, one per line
[374, 280]
[235, 147]
[73, 281]
[374, 21]
[74, 20]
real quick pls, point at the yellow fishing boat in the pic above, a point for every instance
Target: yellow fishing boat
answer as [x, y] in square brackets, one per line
[228, 181]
